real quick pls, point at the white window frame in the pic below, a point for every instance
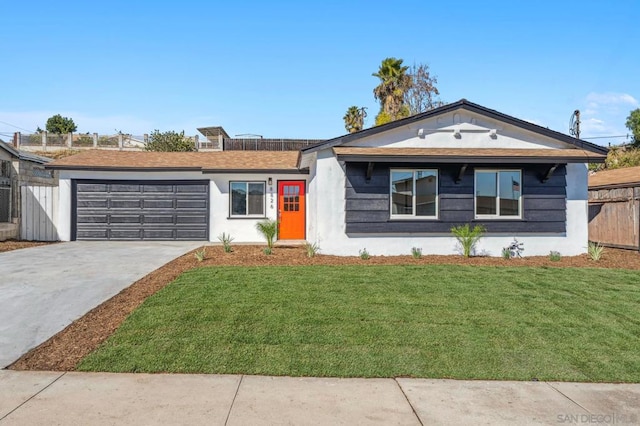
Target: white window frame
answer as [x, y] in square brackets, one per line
[413, 215]
[496, 216]
[247, 215]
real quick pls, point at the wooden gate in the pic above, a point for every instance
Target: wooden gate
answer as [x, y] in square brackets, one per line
[614, 216]
[38, 213]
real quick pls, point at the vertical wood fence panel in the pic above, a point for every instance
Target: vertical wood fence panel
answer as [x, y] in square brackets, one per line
[614, 216]
[39, 209]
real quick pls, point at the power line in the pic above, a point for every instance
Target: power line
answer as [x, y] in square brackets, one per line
[17, 127]
[607, 137]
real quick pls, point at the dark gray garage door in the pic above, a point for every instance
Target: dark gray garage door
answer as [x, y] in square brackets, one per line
[134, 210]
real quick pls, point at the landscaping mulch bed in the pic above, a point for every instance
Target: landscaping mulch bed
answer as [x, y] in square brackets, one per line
[15, 245]
[64, 350]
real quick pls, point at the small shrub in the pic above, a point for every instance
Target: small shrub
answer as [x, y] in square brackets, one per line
[108, 141]
[312, 249]
[200, 254]
[506, 253]
[267, 250]
[84, 140]
[35, 139]
[226, 239]
[364, 254]
[468, 237]
[595, 251]
[416, 252]
[514, 249]
[268, 228]
[169, 141]
[555, 256]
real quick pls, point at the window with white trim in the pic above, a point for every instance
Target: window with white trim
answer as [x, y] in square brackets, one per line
[414, 193]
[498, 194]
[247, 199]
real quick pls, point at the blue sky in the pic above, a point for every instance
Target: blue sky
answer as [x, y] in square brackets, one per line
[291, 69]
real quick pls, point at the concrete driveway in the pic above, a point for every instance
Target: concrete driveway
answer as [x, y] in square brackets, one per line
[44, 289]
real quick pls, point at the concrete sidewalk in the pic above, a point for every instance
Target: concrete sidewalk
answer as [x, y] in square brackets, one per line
[39, 398]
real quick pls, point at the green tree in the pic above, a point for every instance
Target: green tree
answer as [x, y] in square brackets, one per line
[394, 83]
[633, 124]
[169, 142]
[422, 95]
[354, 119]
[383, 118]
[60, 125]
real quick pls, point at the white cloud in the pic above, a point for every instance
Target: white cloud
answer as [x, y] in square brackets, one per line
[604, 114]
[593, 126]
[594, 100]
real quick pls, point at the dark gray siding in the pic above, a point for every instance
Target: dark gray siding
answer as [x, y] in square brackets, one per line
[135, 210]
[368, 203]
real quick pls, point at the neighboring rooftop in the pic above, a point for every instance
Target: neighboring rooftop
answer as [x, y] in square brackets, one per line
[628, 176]
[23, 155]
[219, 139]
[207, 162]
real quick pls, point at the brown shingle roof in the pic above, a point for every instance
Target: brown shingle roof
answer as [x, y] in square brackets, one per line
[205, 161]
[484, 154]
[617, 177]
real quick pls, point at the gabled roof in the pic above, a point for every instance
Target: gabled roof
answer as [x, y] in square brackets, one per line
[617, 178]
[206, 162]
[23, 155]
[465, 105]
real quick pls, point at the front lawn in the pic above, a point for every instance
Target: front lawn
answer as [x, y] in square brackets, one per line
[386, 321]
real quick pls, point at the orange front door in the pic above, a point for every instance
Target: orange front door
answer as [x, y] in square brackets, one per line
[291, 211]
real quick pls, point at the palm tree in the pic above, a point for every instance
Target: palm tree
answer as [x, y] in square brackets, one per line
[354, 119]
[394, 82]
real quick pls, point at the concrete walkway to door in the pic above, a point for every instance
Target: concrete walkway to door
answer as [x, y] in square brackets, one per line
[44, 289]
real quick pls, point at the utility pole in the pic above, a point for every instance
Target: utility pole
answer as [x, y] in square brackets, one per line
[574, 124]
[363, 114]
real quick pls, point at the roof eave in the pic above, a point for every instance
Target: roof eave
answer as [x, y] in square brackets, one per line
[255, 171]
[362, 158]
[615, 185]
[121, 169]
[35, 158]
[10, 149]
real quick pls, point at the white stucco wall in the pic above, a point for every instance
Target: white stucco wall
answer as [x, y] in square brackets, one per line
[312, 203]
[242, 230]
[474, 133]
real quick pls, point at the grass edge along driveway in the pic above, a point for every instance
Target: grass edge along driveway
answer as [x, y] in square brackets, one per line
[386, 321]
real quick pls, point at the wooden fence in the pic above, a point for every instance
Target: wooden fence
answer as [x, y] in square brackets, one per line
[232, 144]
[39, 207]
[614, 217]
